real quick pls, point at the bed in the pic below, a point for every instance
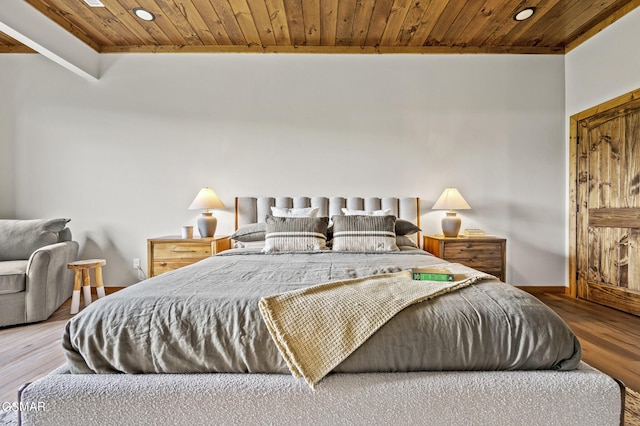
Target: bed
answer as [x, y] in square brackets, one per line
[191, 346]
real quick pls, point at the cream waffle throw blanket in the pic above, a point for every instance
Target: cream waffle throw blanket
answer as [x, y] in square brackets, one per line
[318, 327]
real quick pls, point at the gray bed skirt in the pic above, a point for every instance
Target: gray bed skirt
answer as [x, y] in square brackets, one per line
[580, 397]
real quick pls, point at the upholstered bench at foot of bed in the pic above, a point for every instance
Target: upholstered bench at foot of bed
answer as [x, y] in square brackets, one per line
[580, 397]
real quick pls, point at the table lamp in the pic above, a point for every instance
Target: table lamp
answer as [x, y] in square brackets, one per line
[207, 199]
[451, 200]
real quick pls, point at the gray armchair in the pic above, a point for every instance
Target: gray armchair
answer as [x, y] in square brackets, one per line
[34, 279]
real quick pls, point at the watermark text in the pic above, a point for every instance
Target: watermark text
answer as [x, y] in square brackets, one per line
[24, 406]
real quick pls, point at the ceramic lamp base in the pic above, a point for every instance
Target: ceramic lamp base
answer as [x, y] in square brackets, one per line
[451, 225]
[207, 225]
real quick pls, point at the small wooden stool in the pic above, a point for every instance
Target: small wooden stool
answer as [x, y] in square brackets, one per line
[82, 278]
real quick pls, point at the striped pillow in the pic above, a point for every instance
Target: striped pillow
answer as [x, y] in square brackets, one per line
[364, 233]
[295, 234]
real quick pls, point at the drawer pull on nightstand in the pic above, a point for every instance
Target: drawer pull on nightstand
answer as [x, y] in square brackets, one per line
[182, 251]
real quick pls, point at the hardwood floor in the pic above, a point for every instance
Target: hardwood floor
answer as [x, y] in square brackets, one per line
[30, 351]
[610, 341]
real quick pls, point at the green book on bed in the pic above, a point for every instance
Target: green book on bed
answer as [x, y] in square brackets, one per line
[431, 274]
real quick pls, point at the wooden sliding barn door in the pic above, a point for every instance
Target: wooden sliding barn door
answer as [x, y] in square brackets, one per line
[607, 192]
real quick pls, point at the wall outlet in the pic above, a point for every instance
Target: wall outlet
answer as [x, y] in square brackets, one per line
[136, 263]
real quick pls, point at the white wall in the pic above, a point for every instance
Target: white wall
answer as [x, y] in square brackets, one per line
[7, 184]
[125, 156]
[605, 66]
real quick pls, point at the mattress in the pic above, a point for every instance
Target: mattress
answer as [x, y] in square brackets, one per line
[204, 318]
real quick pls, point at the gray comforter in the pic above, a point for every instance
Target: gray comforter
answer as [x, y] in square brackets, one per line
[205, 318]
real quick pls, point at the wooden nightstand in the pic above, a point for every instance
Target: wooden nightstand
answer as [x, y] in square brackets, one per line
[486, 254]
[169, 253]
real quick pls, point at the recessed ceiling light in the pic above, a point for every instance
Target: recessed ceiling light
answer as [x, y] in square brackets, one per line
[525, 14]
[94, 3]
[144, 14]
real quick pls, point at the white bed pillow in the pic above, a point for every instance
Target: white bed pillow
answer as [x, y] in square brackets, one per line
[294, 212]
[351, 212]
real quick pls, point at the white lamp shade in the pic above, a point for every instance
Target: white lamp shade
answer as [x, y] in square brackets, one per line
[206, 199]
[451, 199]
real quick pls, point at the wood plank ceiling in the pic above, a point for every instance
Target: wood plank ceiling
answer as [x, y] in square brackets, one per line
[9, 45]
[332, 26]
